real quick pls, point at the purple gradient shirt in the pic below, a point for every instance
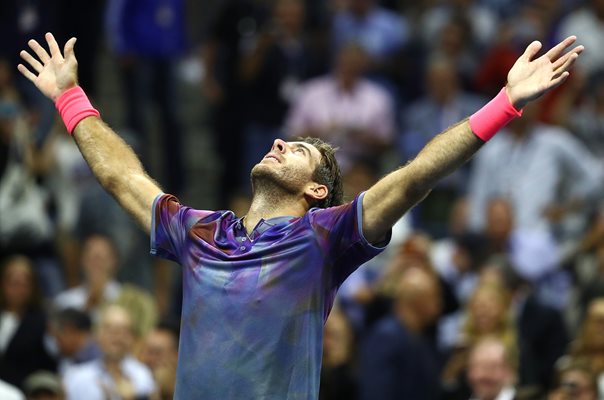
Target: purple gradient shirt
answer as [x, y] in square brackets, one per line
[254, 305]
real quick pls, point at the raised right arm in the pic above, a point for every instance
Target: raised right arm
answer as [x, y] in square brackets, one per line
[111, 160]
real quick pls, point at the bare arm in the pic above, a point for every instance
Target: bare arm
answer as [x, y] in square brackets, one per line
[111, 160]
[117, 168]
[396, 193]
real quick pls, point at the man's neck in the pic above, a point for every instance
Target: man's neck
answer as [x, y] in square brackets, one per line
[265, 206]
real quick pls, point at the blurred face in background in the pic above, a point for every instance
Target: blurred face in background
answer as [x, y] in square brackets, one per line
[499, 220]
[576, 384]
[360, 7]
[99, 259]
[419, 291]
[289, 16]
[594, 326]
[17, 284]
[487, 309]
[159, 349]
[351, 63]
[442, 81]
[489, 370]
[114, 333]
[338, 340]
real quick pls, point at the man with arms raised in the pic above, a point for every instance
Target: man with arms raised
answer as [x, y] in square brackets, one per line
[258, 289]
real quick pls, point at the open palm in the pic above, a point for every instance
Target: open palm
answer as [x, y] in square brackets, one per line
[531, 77]
[54, 73]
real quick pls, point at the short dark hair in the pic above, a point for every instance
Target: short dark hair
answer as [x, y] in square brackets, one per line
[327, 173]
[74, 318]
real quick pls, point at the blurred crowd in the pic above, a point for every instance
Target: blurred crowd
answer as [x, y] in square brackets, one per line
[492, 288]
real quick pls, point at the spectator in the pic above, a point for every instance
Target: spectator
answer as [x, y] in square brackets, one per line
[536, 156]
[483, 23]
[271, 72]
[533, 253]
[444, 103]
[588, 346]
[160, 354]
[25, 226]
[488, 314]
[72, 330]
[116, 374]
[230, 31]
[576, 382]
[588, 24]
[397, 362]
[345, 109]
[22, 323]
[542, 334]
[381, 32]
[338, 375]
[44, 385]
[492, 370]
[580, 108]
[99, 261]
[148, 38]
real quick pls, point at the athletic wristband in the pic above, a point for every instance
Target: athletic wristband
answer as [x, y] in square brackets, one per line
[496, 114]
[74, 106]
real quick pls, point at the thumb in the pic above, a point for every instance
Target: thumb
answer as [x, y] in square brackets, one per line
[532, 50]
[68, 50]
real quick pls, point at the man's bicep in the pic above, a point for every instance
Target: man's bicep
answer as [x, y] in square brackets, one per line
[137, 199]
[385, 203]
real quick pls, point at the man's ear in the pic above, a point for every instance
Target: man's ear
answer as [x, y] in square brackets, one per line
[316, 192]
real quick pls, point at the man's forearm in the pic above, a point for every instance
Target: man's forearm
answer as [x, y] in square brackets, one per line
[440, 157]
[396, 193]
[117, 168]
[109, 157]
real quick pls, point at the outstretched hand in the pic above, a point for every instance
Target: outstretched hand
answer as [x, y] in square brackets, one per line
[531, 77]
[54, 73]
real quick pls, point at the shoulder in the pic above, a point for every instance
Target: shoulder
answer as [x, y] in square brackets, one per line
[82, 373]
[317, 86]
[374, 90]
[10, 392]
[73, 297]
[139, 373]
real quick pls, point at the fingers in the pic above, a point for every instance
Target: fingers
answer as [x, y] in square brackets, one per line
[532, 50]
[35, 64]
[39, 50]
[568, 61]
[559, 80]
[68, 49]
[563, 59]
[52, 45]
[27, 73]
[559, 49]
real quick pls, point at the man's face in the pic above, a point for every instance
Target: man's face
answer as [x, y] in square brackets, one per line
[98, 259]
[488, 371]
[115, 335]
[289, 165]
[159, 350]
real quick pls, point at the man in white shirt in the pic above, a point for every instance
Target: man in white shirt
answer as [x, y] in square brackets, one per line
[117, 375]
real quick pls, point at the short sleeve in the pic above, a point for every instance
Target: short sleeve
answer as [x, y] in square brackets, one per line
[170, 225]
[340, 233]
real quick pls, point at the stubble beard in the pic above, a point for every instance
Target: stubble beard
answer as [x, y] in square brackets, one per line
[275, 185]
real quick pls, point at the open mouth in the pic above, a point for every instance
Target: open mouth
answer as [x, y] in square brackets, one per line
[272, 157]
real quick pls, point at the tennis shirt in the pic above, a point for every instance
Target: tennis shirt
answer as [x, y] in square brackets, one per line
[254, 304]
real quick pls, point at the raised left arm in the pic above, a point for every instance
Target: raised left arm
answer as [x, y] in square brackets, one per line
[395, 194]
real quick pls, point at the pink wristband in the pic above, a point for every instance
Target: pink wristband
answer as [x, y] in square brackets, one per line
[496, 114]
[74, 106]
